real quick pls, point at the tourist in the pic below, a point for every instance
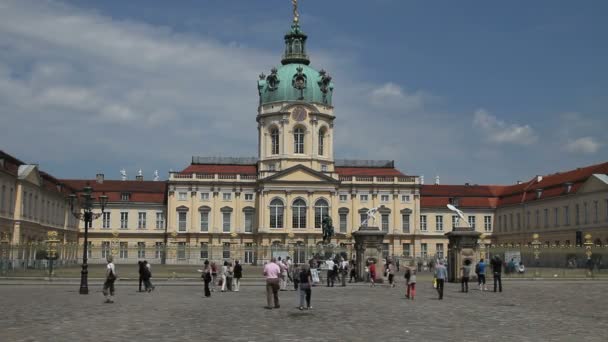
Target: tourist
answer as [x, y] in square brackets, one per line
[295, 276]
[407, 275]
[353, 272]
[330, 272]
[229, 276]
[465, 276]
[510, 267]
[140, 264]
[480, 270]
[213, 276]
[283, 281]
[343, 271]
[146, 276]
[497, 272]
[411, 286]
[521, 268]
[441, 274]
[207, 277]
[305, 281]
[272, 272]
[111, 276]
[238, 274]
[391, 273]
[224, 275]
[289, 265]
[372, 273]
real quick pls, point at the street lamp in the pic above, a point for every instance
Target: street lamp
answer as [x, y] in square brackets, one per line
[86, 203]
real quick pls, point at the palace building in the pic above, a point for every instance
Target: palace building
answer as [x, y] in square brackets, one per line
[280, 197]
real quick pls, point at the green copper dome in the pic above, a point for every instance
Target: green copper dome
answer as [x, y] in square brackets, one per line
[294, 80]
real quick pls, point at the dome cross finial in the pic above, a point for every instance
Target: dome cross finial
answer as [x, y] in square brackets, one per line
[296, 15]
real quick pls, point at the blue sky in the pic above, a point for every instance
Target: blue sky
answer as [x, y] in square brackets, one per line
[472, 91]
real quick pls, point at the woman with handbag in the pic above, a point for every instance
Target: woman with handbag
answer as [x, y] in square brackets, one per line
[207, 277]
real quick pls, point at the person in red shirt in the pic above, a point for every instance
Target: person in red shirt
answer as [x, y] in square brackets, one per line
[372, 273]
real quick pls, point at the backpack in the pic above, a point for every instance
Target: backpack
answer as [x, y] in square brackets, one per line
[477, 269]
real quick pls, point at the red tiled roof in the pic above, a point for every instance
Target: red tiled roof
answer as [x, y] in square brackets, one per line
[463, 202]
[141, 191]
[221, 168]
[11, 164]
[461, 190]
[368, 171]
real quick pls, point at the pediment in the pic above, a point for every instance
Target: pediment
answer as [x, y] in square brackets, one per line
[597, 182]
[300, 174]
[30, 174]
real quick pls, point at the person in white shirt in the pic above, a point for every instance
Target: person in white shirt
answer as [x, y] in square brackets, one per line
[283, 278]
[108, 285]
[330, 272]
[343, 270]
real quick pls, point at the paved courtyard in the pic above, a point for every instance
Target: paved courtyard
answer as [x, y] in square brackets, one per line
[526, 311]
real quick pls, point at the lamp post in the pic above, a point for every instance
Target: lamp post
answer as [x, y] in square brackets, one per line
[86, 203]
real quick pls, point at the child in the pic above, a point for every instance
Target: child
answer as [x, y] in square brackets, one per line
[411, 286]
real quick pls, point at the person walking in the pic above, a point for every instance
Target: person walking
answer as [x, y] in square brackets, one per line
[289, 265]
[229, 276]
[441, 274]
[480, 269]
[207, 277]
[147, 275]
[497, 272]
[283, 277]
[140, 264]
[111, 276]
[391, 273]
[353, 272]
[344, 271]
[465, 276]
[330, 272]
[411, 286]
[372, 273]
[305, 285]
[224, 275]
[272, 271]
[407, 275]
[213, 276]
[238, 274]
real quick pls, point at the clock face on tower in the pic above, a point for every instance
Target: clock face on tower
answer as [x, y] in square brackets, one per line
[299, 114]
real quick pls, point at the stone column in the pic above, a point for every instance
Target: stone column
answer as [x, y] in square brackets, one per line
[462, 246]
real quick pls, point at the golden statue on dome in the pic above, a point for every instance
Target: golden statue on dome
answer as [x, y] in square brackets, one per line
[296, 15]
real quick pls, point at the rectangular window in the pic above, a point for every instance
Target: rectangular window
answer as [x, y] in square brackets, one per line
[511, 222]
[487, 223]
[158, 250]
[226, 251]
[204, 196]
[124, 250]
[226, 222]
[439, 223]
[424, 251]
[518, 221]
[125, 196]
[204, 253]
[248, 197]
[181, 250]
[323, 168]
[343, 198]
[363, 198]
[384, 198]
[439, 250]
[226, 196]
[423, 222]
[343, 222]
[455, 221]
[249, 222]
[577, 215]
[182, 220]
[105, 249]
[407, 250]
[182, 196]
[141, 220]
[472, 221]
[546, 217]
[204, 221]
[405, 198]
[106, 220]
[362, 217]
[537, 214]
[124, 220]
[585, 212]
[141, 250]
[596, 209]
[385, 222]
[528, 219]
[405, 218]
[160, 220]
[556, 216]
[566, 215]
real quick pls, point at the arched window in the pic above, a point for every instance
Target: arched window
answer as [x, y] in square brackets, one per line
[276, 213]
[274, 141]
[298, 140]
[321, 141]
[321, 210]
[299, 214]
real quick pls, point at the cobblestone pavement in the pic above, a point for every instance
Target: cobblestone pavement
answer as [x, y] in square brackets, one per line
[526, 311]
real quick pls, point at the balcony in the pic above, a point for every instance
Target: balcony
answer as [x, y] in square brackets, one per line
[379, 180]
[176, 176]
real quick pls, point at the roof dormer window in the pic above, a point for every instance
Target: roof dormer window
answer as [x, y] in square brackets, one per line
[539, 193]
[568, 187]
[125, 196]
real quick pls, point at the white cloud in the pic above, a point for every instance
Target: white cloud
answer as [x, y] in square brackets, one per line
[585, 145]
[391, 95]
[500, 132]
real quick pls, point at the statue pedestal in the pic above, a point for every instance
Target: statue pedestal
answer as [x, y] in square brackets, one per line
[368, 245]
[462, 246]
